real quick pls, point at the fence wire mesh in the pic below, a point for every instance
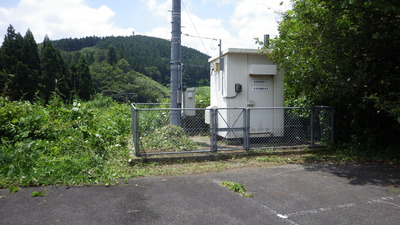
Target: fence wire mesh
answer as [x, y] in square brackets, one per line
[228, 129]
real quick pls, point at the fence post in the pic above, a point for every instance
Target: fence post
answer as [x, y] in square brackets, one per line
[312, 127]
[214, 129]
[246, 130]
[135, 133]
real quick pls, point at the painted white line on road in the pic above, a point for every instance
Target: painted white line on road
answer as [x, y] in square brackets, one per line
[278, 215]
[382, 200]
[315, 211]
[341, 206]
[282, 216]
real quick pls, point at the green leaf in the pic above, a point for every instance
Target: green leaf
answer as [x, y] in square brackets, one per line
[37, 194]
[13, 189]
[25, 134]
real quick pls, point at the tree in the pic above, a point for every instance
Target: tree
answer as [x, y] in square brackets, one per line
[140, 52]
[85, 86]
[11, 49]
[124, 65]
[11, 62]
[54, 71]
[153, 72]
[20, 59]
[112, 58]
[73, 79]
[118, 82]
[30, 58]
[345, 54]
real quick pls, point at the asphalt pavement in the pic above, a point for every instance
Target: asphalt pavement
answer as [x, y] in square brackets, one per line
[292, 194]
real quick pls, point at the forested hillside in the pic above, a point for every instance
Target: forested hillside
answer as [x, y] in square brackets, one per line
[134, 68]
[147, 55]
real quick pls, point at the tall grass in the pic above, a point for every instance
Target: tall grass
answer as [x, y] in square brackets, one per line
[62, 144]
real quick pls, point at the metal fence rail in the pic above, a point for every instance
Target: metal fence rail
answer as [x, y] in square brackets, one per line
[229, 129]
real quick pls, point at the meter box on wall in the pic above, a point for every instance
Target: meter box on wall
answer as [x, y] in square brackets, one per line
[247, 79]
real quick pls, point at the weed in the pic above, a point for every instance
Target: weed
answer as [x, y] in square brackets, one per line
[13, 189]
[273, 159]
[62, 144]
[168, 138]
[181, 161]
[236, 187]
[86, 143]
[394, 190]
[37, 194]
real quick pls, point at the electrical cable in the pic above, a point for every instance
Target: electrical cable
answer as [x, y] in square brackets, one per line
[167, 32]
[212, 46]
[194, 27]
[189, 35]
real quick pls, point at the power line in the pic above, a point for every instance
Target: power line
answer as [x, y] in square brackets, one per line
[211, 43]
[194, 65]
[198, 35]
[166, 34]
[214, 39]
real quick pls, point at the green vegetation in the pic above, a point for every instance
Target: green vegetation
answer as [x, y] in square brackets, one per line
[85, 142]
[60, 126]
[168, 138]
[147, 55]
[277, 159]
[237, 188]
[134, 68]
[20, 68]
[394, 190]
[180, 167]
[158, 135]
[345, 54]
[37, 194]
[122, 83]
[202, 97]
[13, 189]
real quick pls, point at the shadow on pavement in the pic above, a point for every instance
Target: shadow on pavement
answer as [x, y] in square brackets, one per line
[362, 174]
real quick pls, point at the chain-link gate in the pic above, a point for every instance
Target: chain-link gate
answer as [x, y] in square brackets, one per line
[230, 129]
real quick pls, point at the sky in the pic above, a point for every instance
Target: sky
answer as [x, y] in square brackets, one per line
[204, 22]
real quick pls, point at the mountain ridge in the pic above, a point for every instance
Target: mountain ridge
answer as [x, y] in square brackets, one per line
[147, 55]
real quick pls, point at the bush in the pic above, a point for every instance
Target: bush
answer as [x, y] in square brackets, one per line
[202, 97]
[61, 144]
[168, 138]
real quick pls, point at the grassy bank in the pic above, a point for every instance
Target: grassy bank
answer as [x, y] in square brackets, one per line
[79, 143]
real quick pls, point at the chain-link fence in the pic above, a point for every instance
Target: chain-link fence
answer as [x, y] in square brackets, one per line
[229, 129]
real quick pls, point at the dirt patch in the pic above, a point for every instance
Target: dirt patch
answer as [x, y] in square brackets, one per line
[201, 140]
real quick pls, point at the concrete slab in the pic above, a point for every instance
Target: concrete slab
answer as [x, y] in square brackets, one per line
[290, 194]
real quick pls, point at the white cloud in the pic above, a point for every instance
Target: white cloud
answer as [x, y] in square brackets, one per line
[158, 8]
[204, 28]
[60, 19]
[248, 19]
[236, 22]
[254, 18]
[193, 26]
[218, 2]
